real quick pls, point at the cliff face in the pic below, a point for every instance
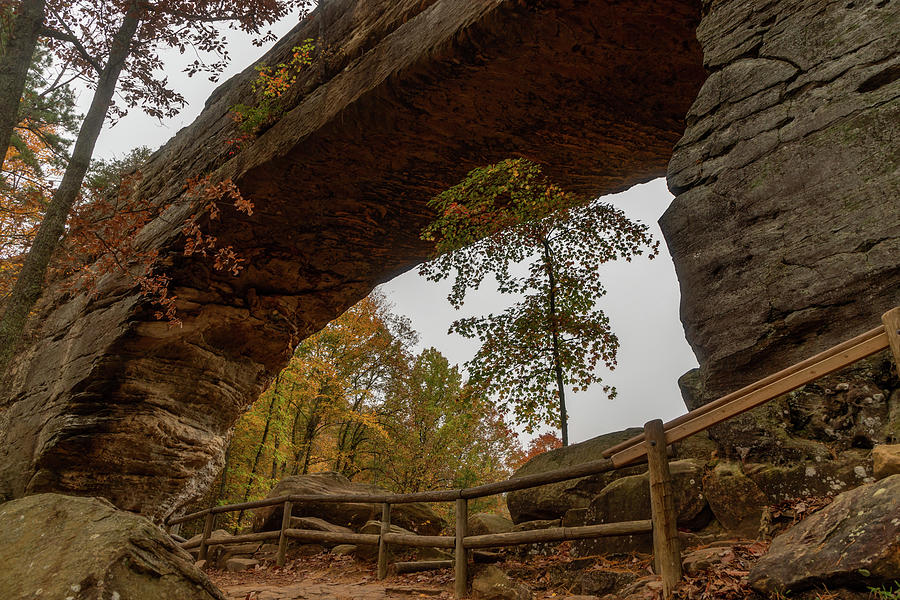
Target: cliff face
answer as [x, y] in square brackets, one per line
[404, 98]
[786, 226]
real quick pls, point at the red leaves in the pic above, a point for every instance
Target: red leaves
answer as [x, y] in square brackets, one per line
[208, 195]
[542, 443]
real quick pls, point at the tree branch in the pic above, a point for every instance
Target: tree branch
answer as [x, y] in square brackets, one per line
[70, 38]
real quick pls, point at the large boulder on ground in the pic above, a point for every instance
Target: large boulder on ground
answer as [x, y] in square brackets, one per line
[735, 500]
[54, 546]
[886, 461]
[628, 499]
[853, 541]
[491, 583]
[486, 523]
[553, 500]
[417, 516]
[317, 524]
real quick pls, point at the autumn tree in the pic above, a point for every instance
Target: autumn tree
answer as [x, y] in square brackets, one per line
[545, 442]
[35, 158]
[545, 245]
[357, 400]
[21, 24]
[441, 432]
[114, 45]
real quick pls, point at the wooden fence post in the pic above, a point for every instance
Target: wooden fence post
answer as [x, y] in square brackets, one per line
[382, 544]
[891, 320]
[666, 551]
[462, 574]
[282, 539]
[207, 532]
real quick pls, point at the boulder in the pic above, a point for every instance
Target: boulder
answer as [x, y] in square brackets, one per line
[854, 541]
[417, 516]
[812, 478]
[240, 564]
[725, 482]
[485, 523]
[886, 461]
[246, 550]
[54, 546]
[344, 550]
[368, 551]
[597, 583]
[703, 559]
[316, 524]
[552, 501]
[491, 583]
[628, 499]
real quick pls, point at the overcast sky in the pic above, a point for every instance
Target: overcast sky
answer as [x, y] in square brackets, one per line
[642, 299]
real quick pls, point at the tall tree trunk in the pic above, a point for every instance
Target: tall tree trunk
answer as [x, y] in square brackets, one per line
[223, 483]
[15, 59]
[30, 282]
[274, 458]
[554, 332]
[257, 458]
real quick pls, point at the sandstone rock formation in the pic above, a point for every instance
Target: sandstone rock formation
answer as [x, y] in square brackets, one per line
[54, 546]
[485, 523]
[554, 500]
[628, 499]
[785, 230]
[705, 485]
[886, 461]
[855, 541]
[415, 516]
[854, 408]
[404, 98]
[491, 583]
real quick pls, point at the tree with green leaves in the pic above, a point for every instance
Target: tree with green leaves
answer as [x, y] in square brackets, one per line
[545, 245]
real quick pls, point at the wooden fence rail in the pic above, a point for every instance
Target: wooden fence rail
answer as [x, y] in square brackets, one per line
[650, 447]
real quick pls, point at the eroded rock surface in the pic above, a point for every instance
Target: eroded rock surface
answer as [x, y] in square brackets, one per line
[785, 230]
[855, 541]
[54, 546]
[554, 500]
[404, 98]
[415, 516]
[855, 408]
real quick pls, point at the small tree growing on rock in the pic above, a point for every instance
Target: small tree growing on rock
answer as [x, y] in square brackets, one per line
[545, 245]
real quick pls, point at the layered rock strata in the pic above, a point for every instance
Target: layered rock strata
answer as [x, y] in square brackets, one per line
[54, 546]
[404, 97]
[785, 230]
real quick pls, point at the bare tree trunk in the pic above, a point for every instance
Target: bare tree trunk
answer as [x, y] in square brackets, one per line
[30, 282]
[224, 481]
[257, 458]
[274, 457]
[15, 59]
[554, 332]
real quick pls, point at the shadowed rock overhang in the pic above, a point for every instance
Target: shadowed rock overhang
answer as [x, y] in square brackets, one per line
[404, 97]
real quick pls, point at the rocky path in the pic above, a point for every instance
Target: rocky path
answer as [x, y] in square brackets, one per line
[328, 591]
[327, 577]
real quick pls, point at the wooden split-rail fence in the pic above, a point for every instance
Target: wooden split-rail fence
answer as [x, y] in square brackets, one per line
[651, 446]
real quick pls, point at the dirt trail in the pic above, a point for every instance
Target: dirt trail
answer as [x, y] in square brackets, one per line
[327, 591]
[326, 577]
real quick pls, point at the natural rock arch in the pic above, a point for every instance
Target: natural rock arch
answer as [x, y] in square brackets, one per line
[409, 96]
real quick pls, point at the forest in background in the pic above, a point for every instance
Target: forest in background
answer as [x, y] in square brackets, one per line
[358, 399]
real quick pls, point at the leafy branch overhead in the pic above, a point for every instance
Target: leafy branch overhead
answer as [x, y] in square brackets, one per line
[269, 86]
[545, 245]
